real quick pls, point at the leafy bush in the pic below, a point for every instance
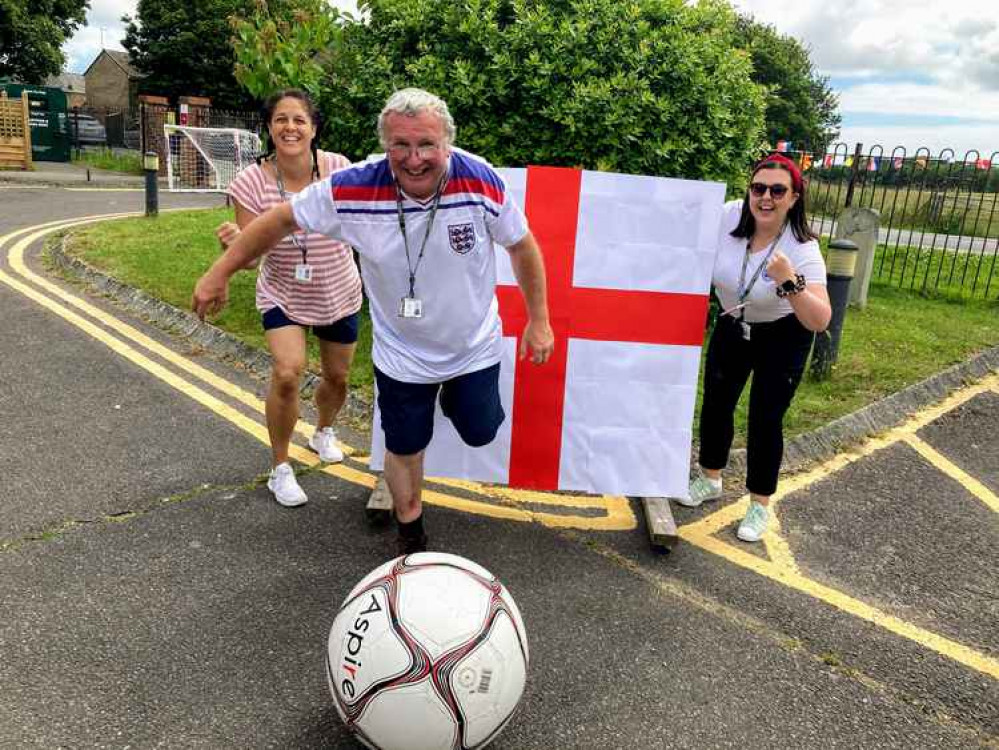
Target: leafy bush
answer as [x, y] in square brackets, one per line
[656, 87]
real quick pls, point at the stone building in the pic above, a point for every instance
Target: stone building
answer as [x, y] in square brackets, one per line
[112, 82]
[73, 84]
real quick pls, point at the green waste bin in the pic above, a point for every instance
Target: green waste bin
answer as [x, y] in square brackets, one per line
[50, 135]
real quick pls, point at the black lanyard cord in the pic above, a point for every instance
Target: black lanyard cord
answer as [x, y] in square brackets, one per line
[426, 235]
[744, 289]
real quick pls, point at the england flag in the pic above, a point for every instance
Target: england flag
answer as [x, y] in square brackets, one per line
[628, 261]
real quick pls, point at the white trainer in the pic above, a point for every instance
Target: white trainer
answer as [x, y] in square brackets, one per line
[285, 487]
[701, 489]
[754, 525]
[324, 443]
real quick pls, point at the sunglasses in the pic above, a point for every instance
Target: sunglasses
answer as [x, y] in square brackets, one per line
[759, 189]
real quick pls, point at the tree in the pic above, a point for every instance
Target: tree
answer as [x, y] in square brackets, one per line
[275, 52]
[652, 87]
[800, 106]
[183, 47]
[32, 33]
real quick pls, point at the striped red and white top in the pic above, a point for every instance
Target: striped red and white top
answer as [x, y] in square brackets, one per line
[335, 289]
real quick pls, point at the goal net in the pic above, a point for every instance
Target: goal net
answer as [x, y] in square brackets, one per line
[205, 160]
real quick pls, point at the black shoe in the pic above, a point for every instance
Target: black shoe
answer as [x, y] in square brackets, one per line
[411, 545]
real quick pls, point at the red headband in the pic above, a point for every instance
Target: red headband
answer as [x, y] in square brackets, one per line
[783, 161]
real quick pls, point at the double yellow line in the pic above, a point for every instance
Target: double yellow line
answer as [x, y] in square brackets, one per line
[781, 566]
[509, 504]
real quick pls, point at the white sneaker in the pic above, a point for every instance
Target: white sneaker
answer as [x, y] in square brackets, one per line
[754, 525]
[324, 443]
[285, 487]
[701, 489]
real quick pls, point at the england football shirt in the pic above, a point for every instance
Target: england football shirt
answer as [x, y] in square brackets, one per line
[459, 330]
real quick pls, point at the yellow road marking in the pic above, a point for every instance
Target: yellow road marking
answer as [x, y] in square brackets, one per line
[951, 469]
[617, 511]
[16, 258]
[944, 646]
[781, 566]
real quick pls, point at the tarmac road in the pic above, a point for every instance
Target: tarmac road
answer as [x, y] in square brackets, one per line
[153, 595]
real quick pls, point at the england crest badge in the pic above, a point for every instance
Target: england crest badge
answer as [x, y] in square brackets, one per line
[461, 237]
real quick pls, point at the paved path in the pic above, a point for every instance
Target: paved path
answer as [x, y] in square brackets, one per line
[919, 238]
[153, 595]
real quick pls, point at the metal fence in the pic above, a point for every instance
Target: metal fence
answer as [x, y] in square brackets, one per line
[115, 127]
[939, 214]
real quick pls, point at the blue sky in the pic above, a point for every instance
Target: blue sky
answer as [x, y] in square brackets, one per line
[912, 73]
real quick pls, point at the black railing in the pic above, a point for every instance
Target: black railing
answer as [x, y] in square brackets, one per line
[939, 214]
[108, 127]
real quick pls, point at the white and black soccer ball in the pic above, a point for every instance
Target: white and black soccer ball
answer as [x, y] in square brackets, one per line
[428, 652]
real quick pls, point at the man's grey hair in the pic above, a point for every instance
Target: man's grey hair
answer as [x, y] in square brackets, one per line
[411, 102]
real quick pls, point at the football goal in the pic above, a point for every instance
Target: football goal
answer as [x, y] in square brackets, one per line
[205, 160]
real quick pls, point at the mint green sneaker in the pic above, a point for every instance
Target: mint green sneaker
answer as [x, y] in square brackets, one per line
[754, 525]
[701, 489]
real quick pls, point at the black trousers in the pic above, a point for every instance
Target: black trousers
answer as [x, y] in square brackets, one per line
[775, 355]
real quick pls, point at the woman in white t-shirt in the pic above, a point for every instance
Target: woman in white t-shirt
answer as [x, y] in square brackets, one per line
[770, 280]
[305, 280]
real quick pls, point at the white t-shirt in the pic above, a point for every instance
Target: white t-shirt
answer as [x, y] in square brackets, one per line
[460, 329]
[763, 304]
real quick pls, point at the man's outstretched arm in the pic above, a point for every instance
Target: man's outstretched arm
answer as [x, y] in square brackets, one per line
[212, 290]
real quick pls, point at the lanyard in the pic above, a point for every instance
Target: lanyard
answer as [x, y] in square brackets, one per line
[426, 235]
[303, 243]
[744, 288]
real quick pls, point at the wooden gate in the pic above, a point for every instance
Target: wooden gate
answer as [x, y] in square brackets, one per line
[15, 132]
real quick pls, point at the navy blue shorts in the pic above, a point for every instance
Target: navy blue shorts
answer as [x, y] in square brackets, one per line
[471, 401]
[343, 331]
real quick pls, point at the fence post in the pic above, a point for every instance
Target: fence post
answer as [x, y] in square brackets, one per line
[853, 174]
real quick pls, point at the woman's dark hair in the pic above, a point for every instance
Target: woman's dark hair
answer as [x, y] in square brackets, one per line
[267, 112]
[797, 216]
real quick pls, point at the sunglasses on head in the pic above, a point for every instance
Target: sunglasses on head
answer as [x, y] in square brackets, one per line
[759, 189]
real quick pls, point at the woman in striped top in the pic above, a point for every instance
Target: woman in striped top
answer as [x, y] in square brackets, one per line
[305, 280]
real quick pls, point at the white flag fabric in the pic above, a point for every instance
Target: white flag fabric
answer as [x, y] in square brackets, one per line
[630, 372]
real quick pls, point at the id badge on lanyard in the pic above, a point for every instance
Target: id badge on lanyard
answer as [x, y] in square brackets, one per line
[410, 307]
[303, 273]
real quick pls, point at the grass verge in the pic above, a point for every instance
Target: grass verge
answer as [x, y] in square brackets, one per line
[105, 158]
[165, 255]
[900, 338]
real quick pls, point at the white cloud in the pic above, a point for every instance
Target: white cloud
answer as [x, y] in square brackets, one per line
[103, 25]
[908, 59]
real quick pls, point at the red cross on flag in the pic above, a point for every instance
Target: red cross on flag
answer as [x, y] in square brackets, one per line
[628, 261]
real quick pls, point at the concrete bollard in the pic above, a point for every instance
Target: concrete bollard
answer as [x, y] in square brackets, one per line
[840, 269]
[151, 167]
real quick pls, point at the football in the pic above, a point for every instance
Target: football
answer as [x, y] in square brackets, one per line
[427, 652]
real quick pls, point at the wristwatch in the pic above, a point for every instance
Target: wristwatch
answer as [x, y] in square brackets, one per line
[791, 286]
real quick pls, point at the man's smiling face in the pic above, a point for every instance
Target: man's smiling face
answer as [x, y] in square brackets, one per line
[418, 151]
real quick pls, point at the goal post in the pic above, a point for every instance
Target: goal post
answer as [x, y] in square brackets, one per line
[206, 160]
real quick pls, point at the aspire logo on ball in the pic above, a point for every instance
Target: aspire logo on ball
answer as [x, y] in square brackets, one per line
[355, 639]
